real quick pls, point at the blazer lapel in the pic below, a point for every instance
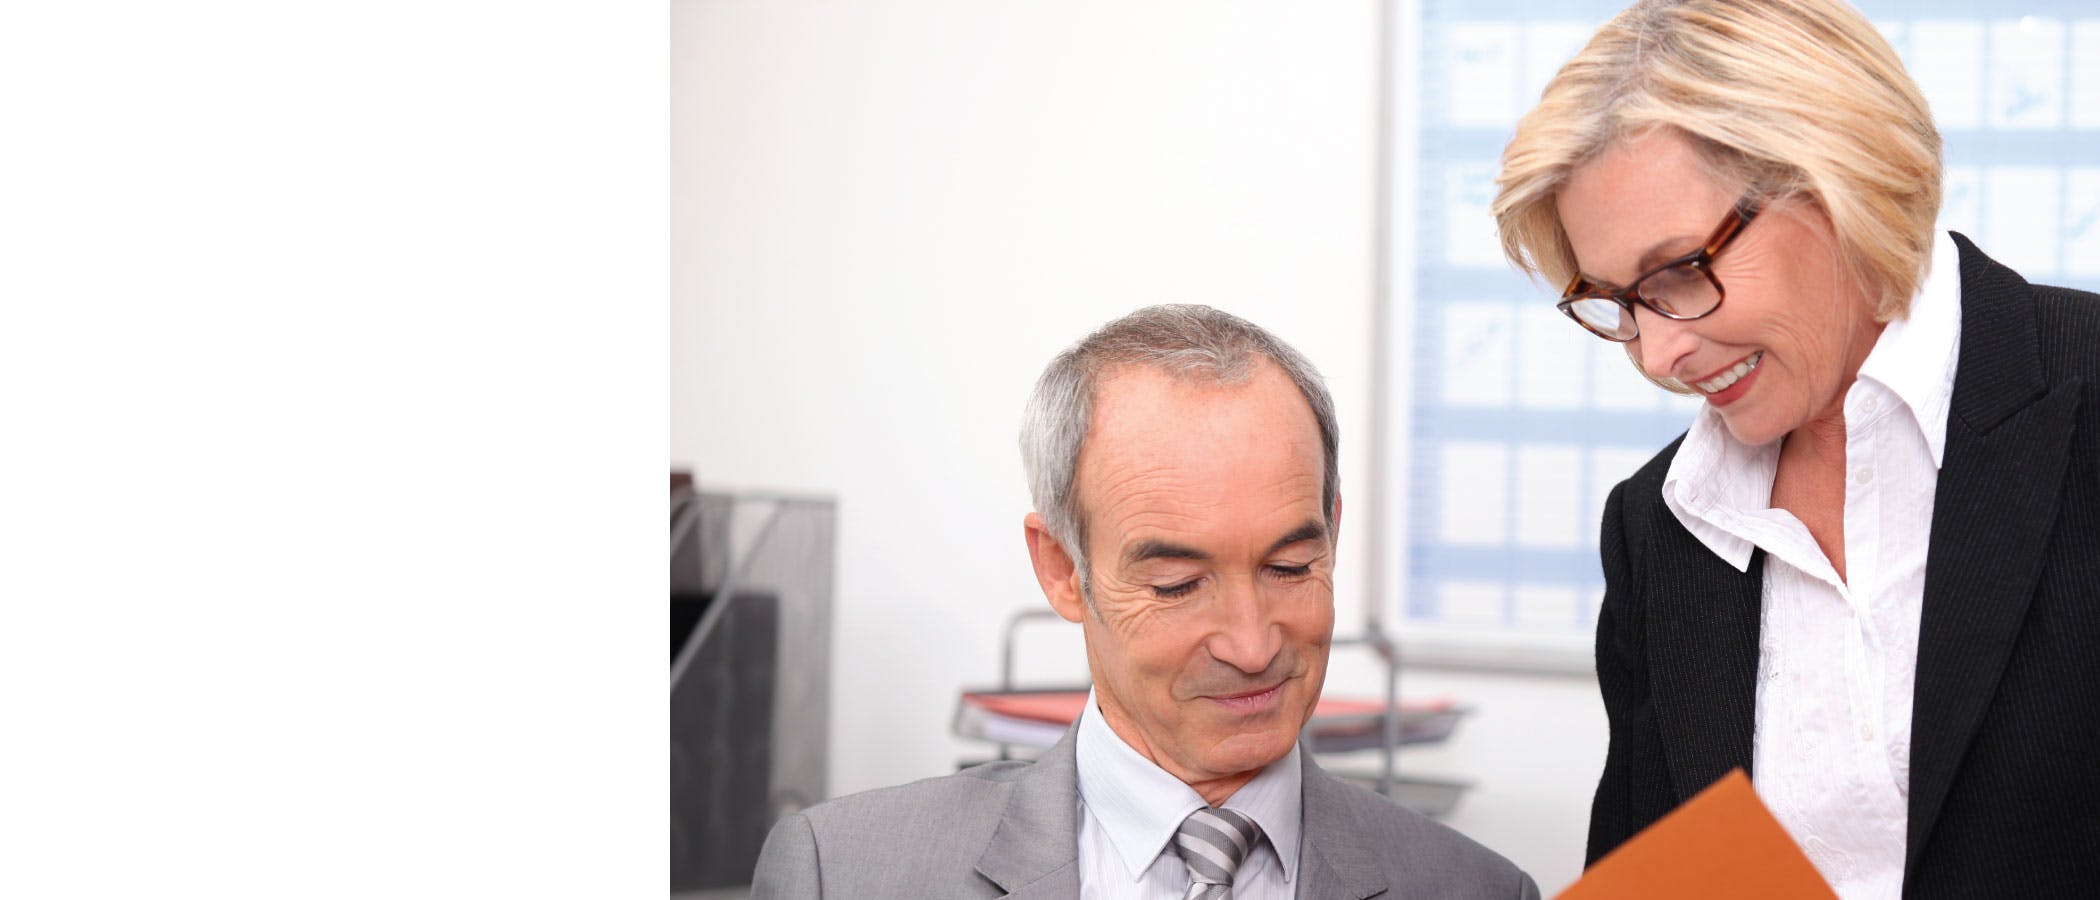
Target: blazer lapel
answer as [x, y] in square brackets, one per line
[2008, 447]
[1034, 853]
[1335, 858]
[1703, 622]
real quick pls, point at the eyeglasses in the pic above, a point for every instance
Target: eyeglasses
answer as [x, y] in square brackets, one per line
[1684, 288]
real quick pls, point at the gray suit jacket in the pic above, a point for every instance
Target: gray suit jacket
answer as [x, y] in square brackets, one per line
[1011, 829]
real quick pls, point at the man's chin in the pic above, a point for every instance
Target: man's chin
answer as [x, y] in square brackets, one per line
[1248, 751]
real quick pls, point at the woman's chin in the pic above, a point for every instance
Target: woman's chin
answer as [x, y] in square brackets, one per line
[1751, 429]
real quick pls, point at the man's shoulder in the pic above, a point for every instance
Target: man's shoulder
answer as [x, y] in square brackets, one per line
[1387, 817]
[877, 843]
[1424, 852]
[921, 839]
[946, 801]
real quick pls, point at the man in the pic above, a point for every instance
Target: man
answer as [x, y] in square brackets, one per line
[1183, 468]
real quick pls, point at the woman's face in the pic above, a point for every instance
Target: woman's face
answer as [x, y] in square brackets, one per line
[1792, 331]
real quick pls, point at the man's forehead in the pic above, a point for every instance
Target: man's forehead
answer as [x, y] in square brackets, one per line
[1169, 454]
[1133, 398]
[1153, 418]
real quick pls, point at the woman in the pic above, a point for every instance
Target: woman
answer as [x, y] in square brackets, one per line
[1869, 573]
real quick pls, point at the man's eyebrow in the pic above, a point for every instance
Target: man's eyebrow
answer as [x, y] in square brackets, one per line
[1154, 548]
[1310, 531]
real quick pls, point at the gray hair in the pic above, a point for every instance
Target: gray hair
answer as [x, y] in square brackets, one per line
[1183, 340]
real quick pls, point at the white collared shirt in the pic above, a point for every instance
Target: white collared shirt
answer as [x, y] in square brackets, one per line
[1129, 809]
[1837, 658]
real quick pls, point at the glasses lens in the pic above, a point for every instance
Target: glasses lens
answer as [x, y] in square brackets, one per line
[1606, 317]
[1681, 292]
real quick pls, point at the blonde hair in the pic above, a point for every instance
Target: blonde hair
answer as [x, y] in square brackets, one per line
[1786, 96]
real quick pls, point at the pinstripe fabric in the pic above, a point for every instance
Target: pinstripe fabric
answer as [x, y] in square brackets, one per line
[1213, 841]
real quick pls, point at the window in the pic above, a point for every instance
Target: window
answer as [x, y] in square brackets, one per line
[1508, 425]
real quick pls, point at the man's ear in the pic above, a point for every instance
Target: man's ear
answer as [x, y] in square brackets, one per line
[1055, 569]
[1334, 535]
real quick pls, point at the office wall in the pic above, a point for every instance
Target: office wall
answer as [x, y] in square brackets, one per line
[886, 217]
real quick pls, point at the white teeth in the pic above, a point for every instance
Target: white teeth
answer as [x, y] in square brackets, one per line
[1720, 382]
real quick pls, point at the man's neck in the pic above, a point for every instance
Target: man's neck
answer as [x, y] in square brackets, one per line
[1214, 789]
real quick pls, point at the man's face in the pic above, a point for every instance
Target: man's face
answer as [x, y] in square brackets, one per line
[1212, 569]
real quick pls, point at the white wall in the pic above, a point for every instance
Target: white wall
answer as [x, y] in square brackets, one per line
[887, 217]
[1533, 750]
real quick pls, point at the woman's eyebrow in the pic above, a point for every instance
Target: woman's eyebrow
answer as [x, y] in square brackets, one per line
[1660, 252]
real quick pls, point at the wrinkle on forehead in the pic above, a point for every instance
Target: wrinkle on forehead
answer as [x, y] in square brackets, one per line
[1174, 456]
[1268, 517]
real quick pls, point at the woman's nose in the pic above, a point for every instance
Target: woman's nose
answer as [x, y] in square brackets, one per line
[1663, 343]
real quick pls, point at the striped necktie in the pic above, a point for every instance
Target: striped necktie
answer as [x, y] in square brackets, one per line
[1214, 841]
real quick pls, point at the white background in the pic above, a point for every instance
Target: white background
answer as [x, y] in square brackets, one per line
[332, 378]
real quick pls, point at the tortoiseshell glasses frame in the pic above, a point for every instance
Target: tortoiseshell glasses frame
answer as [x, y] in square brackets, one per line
[1683, 289]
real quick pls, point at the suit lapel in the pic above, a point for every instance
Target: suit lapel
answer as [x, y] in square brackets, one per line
[1703, 620]
[1034, 853]
[1335, 858]
[2008, 446]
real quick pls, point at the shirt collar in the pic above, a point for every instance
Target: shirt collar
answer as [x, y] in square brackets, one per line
[1916, 355]
[1721, 489]
[1140, 805]
[1713, 480]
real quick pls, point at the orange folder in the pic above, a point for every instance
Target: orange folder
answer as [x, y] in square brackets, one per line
[1720, 845]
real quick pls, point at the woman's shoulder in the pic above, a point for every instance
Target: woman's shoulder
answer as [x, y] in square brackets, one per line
[1638, 499]
[1646, 482]
[2068, 322]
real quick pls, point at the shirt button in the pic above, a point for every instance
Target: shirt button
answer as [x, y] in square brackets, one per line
[1866, 732]
[1863, 475]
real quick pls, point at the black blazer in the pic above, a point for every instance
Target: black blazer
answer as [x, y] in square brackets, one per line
[2005, 729]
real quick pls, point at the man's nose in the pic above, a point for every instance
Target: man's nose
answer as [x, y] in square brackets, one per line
[1245, 639]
